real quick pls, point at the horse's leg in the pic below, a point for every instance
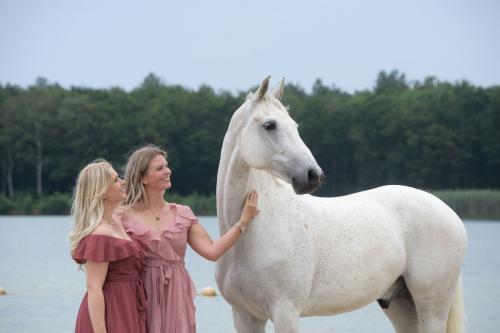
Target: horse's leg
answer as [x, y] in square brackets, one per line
[285, 318]
[246, 323]
[432, 319]
[402, 313]
[433, 305]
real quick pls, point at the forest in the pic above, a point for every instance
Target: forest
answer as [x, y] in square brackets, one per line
[428, 134]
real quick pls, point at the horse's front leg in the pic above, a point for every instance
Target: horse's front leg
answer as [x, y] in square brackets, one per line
[285, 317]
[246, 323]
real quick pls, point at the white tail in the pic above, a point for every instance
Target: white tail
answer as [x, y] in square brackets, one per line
[456, 318]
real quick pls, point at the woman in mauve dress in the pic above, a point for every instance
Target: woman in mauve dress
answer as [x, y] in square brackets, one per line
[164, 229]
[115, 301]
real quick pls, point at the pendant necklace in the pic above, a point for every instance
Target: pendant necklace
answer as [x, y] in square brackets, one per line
[159, 214]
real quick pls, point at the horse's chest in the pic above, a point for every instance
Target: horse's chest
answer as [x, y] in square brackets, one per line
[264, 270]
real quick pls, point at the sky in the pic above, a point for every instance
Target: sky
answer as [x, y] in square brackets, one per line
[232, 45]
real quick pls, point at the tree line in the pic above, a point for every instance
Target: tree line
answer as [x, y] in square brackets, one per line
[428, 134]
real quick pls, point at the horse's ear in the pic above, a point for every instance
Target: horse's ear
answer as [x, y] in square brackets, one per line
[277, 92]
[261, 92]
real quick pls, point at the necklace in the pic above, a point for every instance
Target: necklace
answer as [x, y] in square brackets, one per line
[159, 213]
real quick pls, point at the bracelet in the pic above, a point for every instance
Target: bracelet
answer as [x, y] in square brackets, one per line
[242, 228]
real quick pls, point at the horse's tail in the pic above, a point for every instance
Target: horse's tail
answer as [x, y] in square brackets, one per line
[456, 317]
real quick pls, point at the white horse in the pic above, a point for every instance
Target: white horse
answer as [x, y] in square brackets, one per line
[311, 256]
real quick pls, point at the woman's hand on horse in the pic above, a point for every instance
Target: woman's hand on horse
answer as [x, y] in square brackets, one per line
[250, 210]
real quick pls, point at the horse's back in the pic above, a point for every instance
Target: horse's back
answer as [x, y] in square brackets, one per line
[419, 212]
[426, 223]
[410, 206]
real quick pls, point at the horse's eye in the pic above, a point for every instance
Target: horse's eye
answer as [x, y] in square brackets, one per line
[270, 125]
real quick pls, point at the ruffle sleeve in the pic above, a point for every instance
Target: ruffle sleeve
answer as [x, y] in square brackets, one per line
[186, 213]
[101, 248]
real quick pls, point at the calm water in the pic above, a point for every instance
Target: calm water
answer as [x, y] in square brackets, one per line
[45, 288]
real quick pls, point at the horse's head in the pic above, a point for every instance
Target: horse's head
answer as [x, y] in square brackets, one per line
[269, 140]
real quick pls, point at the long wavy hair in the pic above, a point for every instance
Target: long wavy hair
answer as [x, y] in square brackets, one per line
[136, 167]
[88, 199]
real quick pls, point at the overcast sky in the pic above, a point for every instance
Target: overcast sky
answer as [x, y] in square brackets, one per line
[234, 44]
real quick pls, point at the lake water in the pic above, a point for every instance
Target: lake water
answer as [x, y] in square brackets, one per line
[45, 288]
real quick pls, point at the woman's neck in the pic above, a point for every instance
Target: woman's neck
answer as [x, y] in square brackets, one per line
[155, 199]
[109, 208]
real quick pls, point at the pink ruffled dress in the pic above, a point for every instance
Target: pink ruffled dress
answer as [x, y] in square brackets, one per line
[124, 296]
[168, 285]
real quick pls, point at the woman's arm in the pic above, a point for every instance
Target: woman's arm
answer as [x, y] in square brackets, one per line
[200, 241]
[96, 274]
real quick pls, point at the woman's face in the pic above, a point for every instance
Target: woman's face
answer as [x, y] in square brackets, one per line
[158, 174]
[116, 191]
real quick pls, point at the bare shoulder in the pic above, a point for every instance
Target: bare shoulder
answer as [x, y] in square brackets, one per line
[103, 229]
[197, 228]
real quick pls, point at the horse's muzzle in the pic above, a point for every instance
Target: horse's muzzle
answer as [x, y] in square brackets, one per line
[310, 183]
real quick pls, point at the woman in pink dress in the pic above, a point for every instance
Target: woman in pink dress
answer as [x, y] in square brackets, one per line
[115, 301]
[164, 229]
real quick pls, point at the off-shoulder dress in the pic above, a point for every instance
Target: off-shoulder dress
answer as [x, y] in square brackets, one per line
[124, 294]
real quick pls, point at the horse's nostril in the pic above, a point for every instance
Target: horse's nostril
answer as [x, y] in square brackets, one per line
[312, 176]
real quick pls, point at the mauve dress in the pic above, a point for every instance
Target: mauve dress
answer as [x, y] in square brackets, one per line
[168, 285]
[124, 294]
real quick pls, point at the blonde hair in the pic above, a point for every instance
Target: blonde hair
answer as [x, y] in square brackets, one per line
[136, 167]
[88, 207]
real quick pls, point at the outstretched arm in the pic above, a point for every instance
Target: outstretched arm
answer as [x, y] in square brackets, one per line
[200, 241]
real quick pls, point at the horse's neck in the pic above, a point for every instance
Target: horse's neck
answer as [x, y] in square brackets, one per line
[232, 181]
